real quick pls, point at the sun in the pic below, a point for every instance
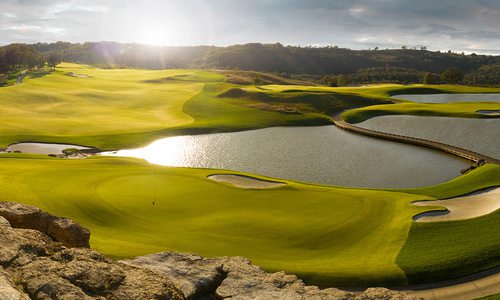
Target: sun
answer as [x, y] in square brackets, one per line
[152, 33]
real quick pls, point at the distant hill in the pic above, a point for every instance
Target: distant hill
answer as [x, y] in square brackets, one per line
[362, 66]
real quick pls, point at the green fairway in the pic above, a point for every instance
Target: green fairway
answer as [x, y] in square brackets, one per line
[326, 235]
[123, 108]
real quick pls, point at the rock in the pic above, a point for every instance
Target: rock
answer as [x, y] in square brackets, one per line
[195, 276]
[8, 290]
[4, 222]
[47, 270]
[62, 230]
[383, 293]
[69, 233]
[236, 278]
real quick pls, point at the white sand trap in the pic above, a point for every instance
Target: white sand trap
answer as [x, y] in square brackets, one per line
[245, 181]
[465, 207]
[78, 75]
[495, 112]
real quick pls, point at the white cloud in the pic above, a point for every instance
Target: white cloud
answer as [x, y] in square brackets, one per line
[453, 24]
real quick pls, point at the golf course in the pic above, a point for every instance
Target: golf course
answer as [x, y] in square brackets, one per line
[326, 235]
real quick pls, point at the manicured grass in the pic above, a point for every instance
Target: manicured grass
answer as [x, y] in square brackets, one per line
[450, 249]
[326, 235]
[492, 297]
[444, 250]
[462, 110]
[123, 108]
[59, 107]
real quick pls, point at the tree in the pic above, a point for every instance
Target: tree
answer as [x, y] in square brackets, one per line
[53, 60]
[343, 80]
[14, 55]
[452, 75]
[428, 78]
[257, 80]
[330, 80]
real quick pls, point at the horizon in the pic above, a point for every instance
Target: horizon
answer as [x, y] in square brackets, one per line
[249, 43]
[459, 26]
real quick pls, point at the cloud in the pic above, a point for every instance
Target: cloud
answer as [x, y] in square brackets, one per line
[459, 25]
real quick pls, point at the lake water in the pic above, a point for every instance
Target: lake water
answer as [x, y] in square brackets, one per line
[447, 98]
[42, 148]
[479, 135]
[323, 154]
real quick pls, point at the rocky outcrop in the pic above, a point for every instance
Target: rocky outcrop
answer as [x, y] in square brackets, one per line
[236, 278]
[44, 269]
[60, 229]
[8, 290]
[34, 265]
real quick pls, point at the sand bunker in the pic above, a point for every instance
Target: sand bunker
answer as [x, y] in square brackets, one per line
[77, 75]
[465, 207]
[495, 112]
[245, 181]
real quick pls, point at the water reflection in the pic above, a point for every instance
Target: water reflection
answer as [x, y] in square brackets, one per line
[42, 148]
[480, 135]
[324, 154]
[447, 98]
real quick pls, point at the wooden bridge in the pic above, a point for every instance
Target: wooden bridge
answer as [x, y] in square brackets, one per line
[457, 151]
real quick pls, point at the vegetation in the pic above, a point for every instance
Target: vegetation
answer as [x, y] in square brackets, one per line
[487, 75]
[492, 297]
[338, 236]
[452, 75]
[353, 66]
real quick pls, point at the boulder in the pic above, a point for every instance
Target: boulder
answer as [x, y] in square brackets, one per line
[7, 289]
[60, 229]
[195, 276]
[46, 269]
[237, 278]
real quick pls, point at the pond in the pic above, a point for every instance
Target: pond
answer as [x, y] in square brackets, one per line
[479, 135]
[448, 98]
[322, 154]
[42, 148]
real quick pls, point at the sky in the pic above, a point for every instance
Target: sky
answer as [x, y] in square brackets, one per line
[457, 25]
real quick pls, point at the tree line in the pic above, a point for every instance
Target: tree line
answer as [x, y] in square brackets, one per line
[332, 64]
[16, 56]
[407, 76]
